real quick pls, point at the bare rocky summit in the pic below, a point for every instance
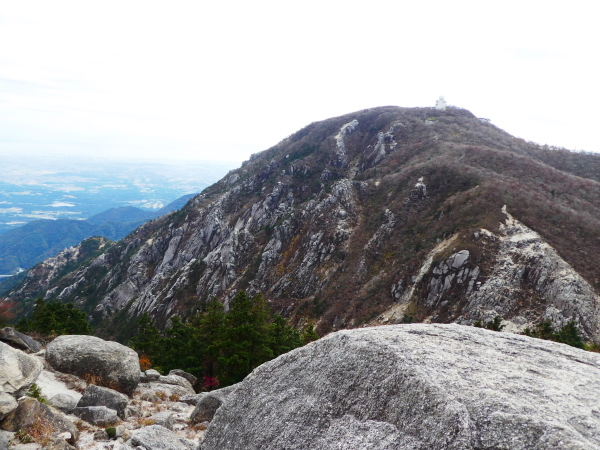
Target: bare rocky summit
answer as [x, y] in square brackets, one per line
[416, 387]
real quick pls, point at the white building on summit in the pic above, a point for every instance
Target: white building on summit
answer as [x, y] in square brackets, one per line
[441, 104]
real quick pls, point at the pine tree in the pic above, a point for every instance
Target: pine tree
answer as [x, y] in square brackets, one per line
[208, 335]
[178, 349]
[245, 338]
[309, 334]
[54, 318]
[570, 335]
[148, 340]
[283, 337]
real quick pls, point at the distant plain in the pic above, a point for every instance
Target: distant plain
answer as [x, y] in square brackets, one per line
[76, 188]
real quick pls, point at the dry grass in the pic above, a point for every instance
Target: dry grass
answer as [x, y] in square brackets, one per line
[197, 426]
[91, 378]
[144, 422]
[81, 425]
[161, 394]
[174, 397]
[98, 380]
[39, 432]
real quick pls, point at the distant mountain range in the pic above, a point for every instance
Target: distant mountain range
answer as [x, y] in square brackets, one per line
[23, 247]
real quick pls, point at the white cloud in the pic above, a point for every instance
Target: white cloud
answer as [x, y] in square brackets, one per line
[48, 214]
[68, 188]
[58, 204]
[220, 80]
[13, 210]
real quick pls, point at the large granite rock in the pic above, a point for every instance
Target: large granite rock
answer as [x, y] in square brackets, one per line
[177, 381]
[7, 404]
[45, 419]
[63, 402]
[97, 415]
[111, 364]
[208, 404]
[182, 373]
[18, 371]
[416, 387]
[101, 396]
[19, 340]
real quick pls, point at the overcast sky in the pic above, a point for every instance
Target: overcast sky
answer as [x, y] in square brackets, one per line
[219, 80]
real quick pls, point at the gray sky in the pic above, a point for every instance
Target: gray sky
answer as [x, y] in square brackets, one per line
[220, 80]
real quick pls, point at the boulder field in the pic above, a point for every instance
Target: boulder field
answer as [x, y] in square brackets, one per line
[416, 387]
[412, 386]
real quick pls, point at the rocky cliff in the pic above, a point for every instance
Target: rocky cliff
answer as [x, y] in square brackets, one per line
[379, 216]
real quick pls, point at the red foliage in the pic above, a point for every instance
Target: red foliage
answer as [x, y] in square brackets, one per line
[210, 383]
[6, 311]
[145, 363]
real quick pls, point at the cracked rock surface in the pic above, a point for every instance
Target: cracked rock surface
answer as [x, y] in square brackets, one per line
[416, 387]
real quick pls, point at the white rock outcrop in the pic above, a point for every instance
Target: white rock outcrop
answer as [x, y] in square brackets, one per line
[416, 387]
[18, 371]
[524, 258]
[114, 364]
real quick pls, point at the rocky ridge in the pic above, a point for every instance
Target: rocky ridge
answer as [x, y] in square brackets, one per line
[360, 219]
[525, 268]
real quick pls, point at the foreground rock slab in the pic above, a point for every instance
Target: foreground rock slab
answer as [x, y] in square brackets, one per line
[104, 362]
[416, 387]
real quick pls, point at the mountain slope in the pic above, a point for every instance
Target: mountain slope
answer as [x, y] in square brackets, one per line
[35, 241]
[356, 219]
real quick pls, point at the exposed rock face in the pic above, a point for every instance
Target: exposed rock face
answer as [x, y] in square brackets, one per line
[116, 366]
[527, 282]
[18, 371]
[339, 220]
[30, 413]
[19, 340]
[101, 396]
[525, 260]
[157, 437]
[416, 387]
[97, 415]
[208, 403]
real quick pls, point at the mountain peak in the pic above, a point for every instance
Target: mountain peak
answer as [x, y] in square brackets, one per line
[337, 222]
